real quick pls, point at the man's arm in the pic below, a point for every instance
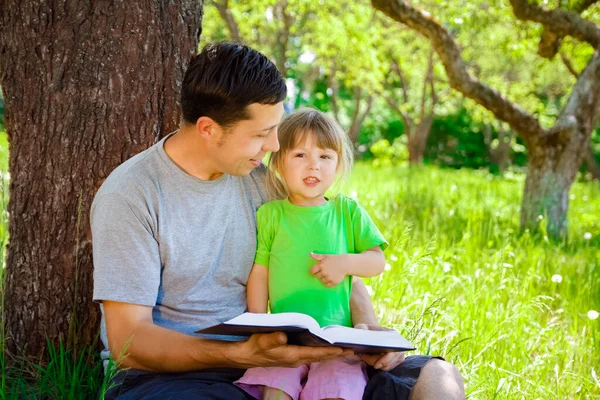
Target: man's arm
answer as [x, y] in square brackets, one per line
[136, 342]
[363, 317]
[361, 306]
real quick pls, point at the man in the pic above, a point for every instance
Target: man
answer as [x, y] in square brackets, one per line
[173, 233]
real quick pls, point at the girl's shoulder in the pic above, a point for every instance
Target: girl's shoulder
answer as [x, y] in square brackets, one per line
[345, 203]
[271, 207]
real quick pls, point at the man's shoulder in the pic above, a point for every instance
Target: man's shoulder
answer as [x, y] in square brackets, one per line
[258, 175]
[130, 176]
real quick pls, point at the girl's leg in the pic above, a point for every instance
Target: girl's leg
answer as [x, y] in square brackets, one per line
[335, 379]
[257, 382]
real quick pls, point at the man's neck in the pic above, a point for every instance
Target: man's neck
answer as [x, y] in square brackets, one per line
[186, 150]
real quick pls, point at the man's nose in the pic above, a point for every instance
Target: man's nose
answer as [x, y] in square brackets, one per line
[272, 143]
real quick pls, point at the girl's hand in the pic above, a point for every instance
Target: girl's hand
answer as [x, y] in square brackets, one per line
[330, 268]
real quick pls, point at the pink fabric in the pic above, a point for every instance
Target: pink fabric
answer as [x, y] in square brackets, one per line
[332, 379]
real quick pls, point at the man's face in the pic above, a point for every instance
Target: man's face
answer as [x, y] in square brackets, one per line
[240, 148]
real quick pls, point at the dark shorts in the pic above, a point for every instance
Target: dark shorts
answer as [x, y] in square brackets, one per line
[216, 384]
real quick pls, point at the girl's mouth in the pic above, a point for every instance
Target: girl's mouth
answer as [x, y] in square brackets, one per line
[311, 181]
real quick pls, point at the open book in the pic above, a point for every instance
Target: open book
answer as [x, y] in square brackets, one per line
[304, 330]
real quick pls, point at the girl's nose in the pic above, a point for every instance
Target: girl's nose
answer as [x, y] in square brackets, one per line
[314, 164]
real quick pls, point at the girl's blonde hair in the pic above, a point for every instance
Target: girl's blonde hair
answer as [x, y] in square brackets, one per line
[293, 130]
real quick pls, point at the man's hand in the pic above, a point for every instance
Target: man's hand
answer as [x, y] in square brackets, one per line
[384, 361]
[272, 350]
[331, 269]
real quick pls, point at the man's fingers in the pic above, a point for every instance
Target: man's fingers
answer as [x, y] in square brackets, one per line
[370, 359]
[307, 355]
[389, 361]
[269, 341]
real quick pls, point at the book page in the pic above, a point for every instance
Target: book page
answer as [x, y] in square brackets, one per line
[281, 319]
[342, 334]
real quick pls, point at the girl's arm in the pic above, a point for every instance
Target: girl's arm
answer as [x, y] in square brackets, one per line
[258, 289]
[331, 269]
[366, 264]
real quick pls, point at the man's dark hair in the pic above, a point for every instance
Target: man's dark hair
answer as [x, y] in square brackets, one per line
[224, 79]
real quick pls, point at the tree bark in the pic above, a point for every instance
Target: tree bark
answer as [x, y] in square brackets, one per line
[87, 85]
[555, 154]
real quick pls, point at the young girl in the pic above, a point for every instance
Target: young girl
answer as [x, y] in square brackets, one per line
[309, 247]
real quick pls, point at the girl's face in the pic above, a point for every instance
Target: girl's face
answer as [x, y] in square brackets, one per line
[308, 172]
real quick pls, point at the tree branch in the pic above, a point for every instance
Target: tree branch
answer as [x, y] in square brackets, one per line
[583, 107]
[550, 41]
[283, 36]
[560, 22]
[398, 70]
[569, 65]
[232, 25]
[334, 86]
[447, 49]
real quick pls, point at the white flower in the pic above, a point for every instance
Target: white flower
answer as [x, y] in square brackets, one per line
[556, 278]
[587, 236]
[593, 314]
[447, 267]
[453, 188]
[353, 194]
[388, 267]
[540, 217]
[451, 212]
[393, 257]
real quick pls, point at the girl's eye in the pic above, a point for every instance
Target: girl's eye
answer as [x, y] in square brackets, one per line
[300, 155]
[326, 157]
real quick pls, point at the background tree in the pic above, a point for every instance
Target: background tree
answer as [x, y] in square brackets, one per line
[87, 85]
[555, 153]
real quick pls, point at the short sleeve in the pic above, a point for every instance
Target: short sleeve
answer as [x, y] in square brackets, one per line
[366, 234]
[264, 226]
[127, 263]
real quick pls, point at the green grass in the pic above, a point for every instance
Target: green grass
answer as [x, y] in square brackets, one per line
[461, 282]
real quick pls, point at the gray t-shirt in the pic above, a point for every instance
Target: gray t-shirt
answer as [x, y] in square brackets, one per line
[165, 239]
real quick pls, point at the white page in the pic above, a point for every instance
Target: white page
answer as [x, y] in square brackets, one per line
[342, 334]
[281, 319]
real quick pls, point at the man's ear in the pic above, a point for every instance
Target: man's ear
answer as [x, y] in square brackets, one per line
[207, 127]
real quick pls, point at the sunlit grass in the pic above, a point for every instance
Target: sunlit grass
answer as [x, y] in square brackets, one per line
[510, 310]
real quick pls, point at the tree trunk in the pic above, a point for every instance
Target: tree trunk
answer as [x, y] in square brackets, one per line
[500, 155]
[417, 141]
[551, 171]
[87, 85]
[592, 165]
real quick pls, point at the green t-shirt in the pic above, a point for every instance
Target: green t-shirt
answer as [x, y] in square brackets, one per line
[288, 233]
